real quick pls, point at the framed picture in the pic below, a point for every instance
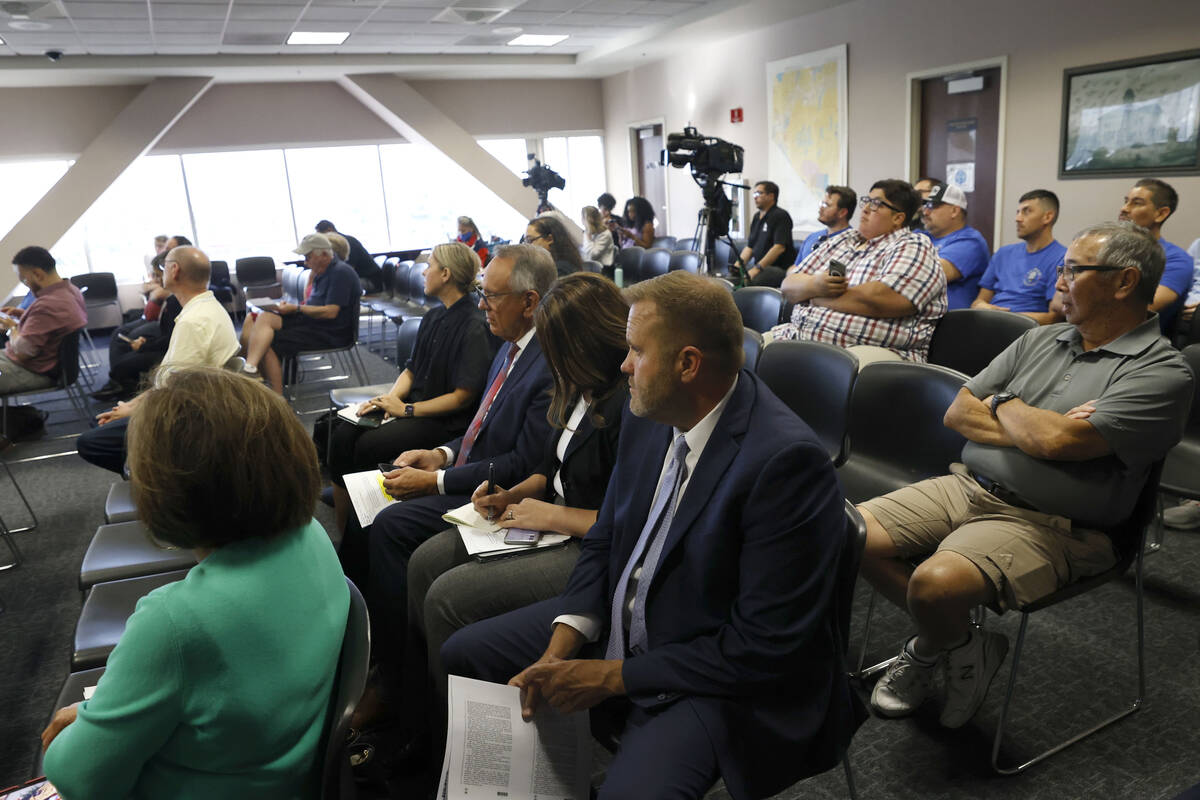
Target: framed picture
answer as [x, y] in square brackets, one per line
[1136, 117]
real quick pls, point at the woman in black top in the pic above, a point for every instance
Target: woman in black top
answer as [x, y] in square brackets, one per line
[434, 398]
[550, 234]
[580, 325]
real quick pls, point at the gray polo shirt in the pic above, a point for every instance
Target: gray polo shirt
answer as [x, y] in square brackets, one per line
[1144, 390]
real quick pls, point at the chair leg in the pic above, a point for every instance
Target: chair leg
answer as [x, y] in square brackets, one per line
[861, 673]
[6, 535]
[24, 501]
[1159, 528]
[1012, 682]
[849, 776]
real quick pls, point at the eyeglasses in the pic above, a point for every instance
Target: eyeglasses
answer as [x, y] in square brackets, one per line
[531, 239]
[487, 298]
[876, 202]
[758, 194]
[1072, 271]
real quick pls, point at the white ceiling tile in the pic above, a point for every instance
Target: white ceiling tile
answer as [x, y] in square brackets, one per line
[102, 10]
[551, 5]
[404, 15]
[615, 6]
[338, 14]
[188, 26]
[264, 11]
[188, 11]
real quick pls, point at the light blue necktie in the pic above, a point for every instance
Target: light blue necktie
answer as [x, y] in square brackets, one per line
[658, 522]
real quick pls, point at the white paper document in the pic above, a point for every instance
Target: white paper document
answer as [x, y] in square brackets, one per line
[483, 538]
[491, 752]
[262, 303]
[367, 494]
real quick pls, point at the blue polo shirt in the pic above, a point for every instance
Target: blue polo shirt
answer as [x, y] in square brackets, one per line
[968, 251]
[815, 238]
[1023, 281]
[1177, 276]
[339, 285]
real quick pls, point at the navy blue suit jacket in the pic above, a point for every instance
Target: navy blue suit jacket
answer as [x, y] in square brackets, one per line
[514, 431]
[741, 612]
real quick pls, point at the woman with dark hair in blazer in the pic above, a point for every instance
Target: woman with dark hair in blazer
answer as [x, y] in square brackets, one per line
[580, 325]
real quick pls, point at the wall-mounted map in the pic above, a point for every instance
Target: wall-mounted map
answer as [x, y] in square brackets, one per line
[806, 115]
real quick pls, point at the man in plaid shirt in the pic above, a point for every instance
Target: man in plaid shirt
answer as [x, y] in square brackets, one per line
[893, 292]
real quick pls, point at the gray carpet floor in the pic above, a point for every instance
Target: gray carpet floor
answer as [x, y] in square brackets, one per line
[1078, 663]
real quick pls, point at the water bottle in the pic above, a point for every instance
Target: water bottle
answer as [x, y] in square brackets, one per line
[619, 277]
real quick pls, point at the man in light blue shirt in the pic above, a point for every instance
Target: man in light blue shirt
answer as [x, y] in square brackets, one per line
[962, 251]
[1021, 277]
[834, 213]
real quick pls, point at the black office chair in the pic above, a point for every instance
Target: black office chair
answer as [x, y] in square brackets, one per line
[967, 339]
[125, 550]
[353, 664]
[66, 380]
[1181, 470]
[593, 266]
[760, 306]
[222, 286]
[105, 612]
[655, 261]
[895, 427]
[725, 284]
[685, 260]
[629, 259]
[344, 357]
[256, 278]
[816, 381]
[665, 242]
[100, 297]
[752, 346]
[724, 255]
[1129, 540]
[685, 244]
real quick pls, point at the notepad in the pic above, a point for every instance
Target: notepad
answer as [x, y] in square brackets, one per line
[485, 540]
[367, 495]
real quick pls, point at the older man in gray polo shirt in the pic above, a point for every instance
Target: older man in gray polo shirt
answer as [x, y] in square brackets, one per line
[1062, 429]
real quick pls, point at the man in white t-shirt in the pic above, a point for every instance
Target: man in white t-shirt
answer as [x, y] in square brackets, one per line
[203, 336]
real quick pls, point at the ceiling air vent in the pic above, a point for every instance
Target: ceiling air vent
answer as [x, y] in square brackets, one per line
[461, 15]
[36, 10]
[254, 39]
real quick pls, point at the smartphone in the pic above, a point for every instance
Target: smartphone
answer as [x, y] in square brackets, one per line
[837, 268]
[124, 338]
[521, 536]
[386, 467]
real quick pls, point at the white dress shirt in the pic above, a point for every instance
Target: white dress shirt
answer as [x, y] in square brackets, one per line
[203, 337]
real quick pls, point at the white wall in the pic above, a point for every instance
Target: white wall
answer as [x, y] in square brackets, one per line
[886, 40]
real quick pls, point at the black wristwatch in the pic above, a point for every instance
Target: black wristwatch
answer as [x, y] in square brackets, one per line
[409, 410]
[999, 398]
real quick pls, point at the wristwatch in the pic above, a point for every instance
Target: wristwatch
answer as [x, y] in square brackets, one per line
[999, 398]
[408, 410]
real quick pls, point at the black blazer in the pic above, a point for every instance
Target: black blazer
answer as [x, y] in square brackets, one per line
[515, 428]
[591, 454]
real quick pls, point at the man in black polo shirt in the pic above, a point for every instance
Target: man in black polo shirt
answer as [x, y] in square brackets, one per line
[770, 242]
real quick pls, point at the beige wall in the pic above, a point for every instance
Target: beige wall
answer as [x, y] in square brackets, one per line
[886, 40]
[56, 122]
[515, 107]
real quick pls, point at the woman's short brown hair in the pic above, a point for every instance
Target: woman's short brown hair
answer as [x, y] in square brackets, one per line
[215, 458]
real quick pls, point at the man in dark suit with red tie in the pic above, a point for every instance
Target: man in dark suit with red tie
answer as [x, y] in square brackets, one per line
[508, 432]
[702, 608]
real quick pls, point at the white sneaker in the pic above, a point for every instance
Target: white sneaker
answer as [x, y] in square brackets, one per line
[1186, 515]
[250, 369]
[904, 687]
[969, 671]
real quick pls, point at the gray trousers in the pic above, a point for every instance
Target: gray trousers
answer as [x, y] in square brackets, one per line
[15, 378]
[448, 590]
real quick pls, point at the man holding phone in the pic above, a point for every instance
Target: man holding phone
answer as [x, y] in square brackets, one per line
[885, 293]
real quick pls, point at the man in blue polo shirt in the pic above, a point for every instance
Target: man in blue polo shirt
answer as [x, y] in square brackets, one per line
[1149, 203]
[834, 213]
[1021, 277]
[962, 251]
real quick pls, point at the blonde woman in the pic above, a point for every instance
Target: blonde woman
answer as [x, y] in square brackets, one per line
[598, 243]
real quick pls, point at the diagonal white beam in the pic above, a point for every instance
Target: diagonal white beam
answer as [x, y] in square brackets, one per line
[131, 133]
[408, 111]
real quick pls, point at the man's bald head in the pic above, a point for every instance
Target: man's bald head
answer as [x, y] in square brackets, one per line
[194, 268]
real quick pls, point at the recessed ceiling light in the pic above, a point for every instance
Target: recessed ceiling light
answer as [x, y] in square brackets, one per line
[28, 25]
[511, 30]
[537, 40]
[318, 37]
[1, 40]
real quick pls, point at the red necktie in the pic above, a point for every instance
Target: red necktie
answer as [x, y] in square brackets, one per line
[485, 406]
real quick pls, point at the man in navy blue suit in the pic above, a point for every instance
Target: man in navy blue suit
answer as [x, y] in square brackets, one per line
[702, 611]
[509, 432]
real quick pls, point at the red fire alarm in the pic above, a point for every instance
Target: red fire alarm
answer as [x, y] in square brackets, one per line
[735, 115]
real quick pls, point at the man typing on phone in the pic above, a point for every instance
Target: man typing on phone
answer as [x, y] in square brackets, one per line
[891, 294]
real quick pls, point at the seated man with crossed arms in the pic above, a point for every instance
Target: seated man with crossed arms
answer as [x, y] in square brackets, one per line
[1062, 429]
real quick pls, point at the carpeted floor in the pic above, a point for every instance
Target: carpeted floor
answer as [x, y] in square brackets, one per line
[1078, 663]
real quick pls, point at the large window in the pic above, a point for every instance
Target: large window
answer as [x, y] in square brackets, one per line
[259, 202]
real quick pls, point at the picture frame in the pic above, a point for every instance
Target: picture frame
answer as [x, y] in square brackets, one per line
[1132, 117]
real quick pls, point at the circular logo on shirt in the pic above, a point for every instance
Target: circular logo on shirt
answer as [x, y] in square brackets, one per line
[1033, 277]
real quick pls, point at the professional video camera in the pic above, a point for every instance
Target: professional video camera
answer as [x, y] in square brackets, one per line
[709, 158]
[542, 179]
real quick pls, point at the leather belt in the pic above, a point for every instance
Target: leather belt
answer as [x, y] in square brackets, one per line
[1002, 494]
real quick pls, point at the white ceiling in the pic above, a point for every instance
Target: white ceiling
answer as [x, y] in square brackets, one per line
[402, 27]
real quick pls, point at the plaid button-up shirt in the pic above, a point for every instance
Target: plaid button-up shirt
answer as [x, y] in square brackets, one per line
[905, 262]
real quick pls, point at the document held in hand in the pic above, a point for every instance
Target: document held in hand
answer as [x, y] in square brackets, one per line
[491, 752]
[367, 494]
[484, 539]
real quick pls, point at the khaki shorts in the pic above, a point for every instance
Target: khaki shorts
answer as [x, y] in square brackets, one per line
[1025, 554]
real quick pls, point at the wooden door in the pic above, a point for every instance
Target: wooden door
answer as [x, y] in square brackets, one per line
[959, 142]
[651, 181]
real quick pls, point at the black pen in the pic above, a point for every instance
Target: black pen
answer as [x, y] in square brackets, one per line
[491, 487]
